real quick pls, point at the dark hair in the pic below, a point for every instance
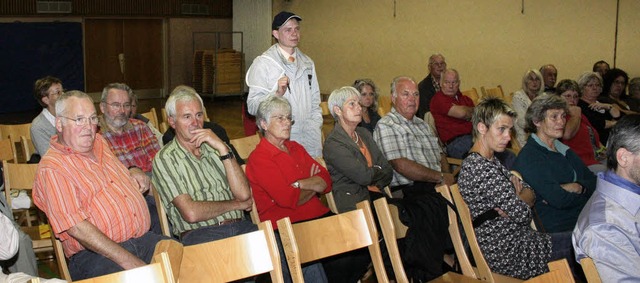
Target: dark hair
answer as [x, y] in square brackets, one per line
[612, 75]
[595, 66]
[41, 88]
[565, 85]
[625, 134]
[488, 111]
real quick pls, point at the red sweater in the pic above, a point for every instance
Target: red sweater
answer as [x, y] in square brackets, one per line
[581, 142]
[449, 127]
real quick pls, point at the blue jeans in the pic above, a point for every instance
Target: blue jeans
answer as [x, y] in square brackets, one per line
[88, 264]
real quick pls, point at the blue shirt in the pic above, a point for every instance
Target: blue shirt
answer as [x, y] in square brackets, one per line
[608, 229]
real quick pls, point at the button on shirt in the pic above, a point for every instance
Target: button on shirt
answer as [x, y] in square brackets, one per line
[135, 146]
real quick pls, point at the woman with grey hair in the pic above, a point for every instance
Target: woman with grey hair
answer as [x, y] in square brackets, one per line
[358, 169]
[369, 103]
[561, 181]
[634, 94]
[531, 88]
[602, 116]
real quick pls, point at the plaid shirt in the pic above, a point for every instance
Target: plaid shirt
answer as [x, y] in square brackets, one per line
[135, 146]
[398, 137]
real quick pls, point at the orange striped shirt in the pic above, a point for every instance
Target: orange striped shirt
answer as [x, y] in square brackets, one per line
[70, 188]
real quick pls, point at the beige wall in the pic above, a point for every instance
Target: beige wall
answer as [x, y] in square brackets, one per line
[490, 42]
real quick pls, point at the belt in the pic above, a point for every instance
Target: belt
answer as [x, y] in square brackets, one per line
[220, 223]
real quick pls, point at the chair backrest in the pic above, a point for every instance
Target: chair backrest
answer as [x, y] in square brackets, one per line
[392, 229]
[493, 92]
[233, 258]
[165, 118]
[473, 94]
[164, 126]
[61, 259]
[153, 117]
[27, 147]
[384, 104]
[324, 106]
[483, 270]
[13, 133]
[152, 273]
[559, 272]
[7, 150]
[312, 240]
[18, 176]
[246, 145]
[590, 271]
[174, 250]
[162, 213]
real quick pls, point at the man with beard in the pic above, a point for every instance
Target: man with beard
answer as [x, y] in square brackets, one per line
[130, 140]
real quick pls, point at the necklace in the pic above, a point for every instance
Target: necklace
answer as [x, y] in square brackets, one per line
[357, 139]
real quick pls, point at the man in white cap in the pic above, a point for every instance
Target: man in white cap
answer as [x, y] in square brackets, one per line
[283, 70]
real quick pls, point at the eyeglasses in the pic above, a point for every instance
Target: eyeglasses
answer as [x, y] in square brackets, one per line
[451, 82]
[593, 85]
[57, 92]
[116, 105]
[282, 119]
[82, 121]
[570, 96]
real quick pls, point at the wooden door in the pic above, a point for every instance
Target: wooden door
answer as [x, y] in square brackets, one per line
[128, 51]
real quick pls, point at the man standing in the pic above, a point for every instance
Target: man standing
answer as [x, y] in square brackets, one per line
[607, 228]
[549, 75]
[283, 70]
[430, 84]
[46, 91]
[93, 204]
[409, 144]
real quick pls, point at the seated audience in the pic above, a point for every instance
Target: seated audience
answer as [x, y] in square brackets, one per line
[531, 88]
[579, 135]
[431, 83]
[368, 102]
[634, 94]
[509, 244]
[133, 113]
[614, 90]
[601, 115]
[357, 167]
[549, 76]
[409, 145]
[607, 230]
[46, 91]
[601, 67]
[561, 181]
[93, 204]
[23, 260]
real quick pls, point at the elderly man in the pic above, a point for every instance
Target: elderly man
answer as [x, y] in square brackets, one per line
[601, 67]
[283, 70]
[430, 84]
[46, 91]
[409, 144]
[607, 229]
[93, 204]
[549, 76]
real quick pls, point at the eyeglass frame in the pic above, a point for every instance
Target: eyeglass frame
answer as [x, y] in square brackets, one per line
[118, 106]
[83, 121]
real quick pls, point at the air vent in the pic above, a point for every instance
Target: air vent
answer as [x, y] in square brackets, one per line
[195, 9]
[53, 7]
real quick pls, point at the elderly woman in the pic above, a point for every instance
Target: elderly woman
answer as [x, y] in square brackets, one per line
[356, 165]
[579, 134]
[561, 181]
[509, 244]
[531, 88]
[601, 115]
[634, 94]
[614, 90]
[369, 103]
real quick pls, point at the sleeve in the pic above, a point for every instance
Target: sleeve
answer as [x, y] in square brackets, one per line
[439, 106]
[613, 251]
[8, 238]
[156, 133]
[593, 117]
[586, 178]
[153, 144]
[167, 178]
[384, 176]
[40, 138]
[316, 99]
[340, 157]
[266, 175]
[389, 141]
[262, 80]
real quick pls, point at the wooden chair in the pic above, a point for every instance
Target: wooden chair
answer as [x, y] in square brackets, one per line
[165, 117]
[27, 147]
[324, 106]
[7, 151]
[233, 258]
[246, 145]
[14, 132]
[313, 240]
[162, 214]
[152, 273]
[590, 271]
[559, 272]
[174, 250]
[493, 92]
[152, 116]
[384, 104]
[61, 259]
[19, 176]
[473, 94]
[163, 127]
[428, 118]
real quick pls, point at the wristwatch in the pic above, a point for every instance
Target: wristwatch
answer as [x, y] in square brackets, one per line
[226, 156]
[296, 184]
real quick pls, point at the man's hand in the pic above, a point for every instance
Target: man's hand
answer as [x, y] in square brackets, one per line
[448, 179]
[144, 182]
[283, 84]
[575, 188]
[245, 205]
[201, 136]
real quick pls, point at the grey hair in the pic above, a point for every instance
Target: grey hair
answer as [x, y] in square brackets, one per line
[339, 96]
[566, 85]
[181, 93]
[360, 83]
[526, 79]
[625, 134]
[444, 73]
[432, 58]
[395, 81]
[634, 85]
[120, 86]
[488, 111]
[538, 109]
[267, 107]
[584, 79]
[61, 103]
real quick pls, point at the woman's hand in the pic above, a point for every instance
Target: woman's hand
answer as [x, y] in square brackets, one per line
[575, 188]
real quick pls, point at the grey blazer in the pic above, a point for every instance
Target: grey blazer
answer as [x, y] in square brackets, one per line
[348, 167]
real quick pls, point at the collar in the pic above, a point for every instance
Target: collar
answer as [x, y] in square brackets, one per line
[285, 53]
[205, 150]
[615, 179]
[402, 119]
[620, 190]
[272, 149]
[104, 127]
[49, 116]
[98, 145]
[562, 148]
